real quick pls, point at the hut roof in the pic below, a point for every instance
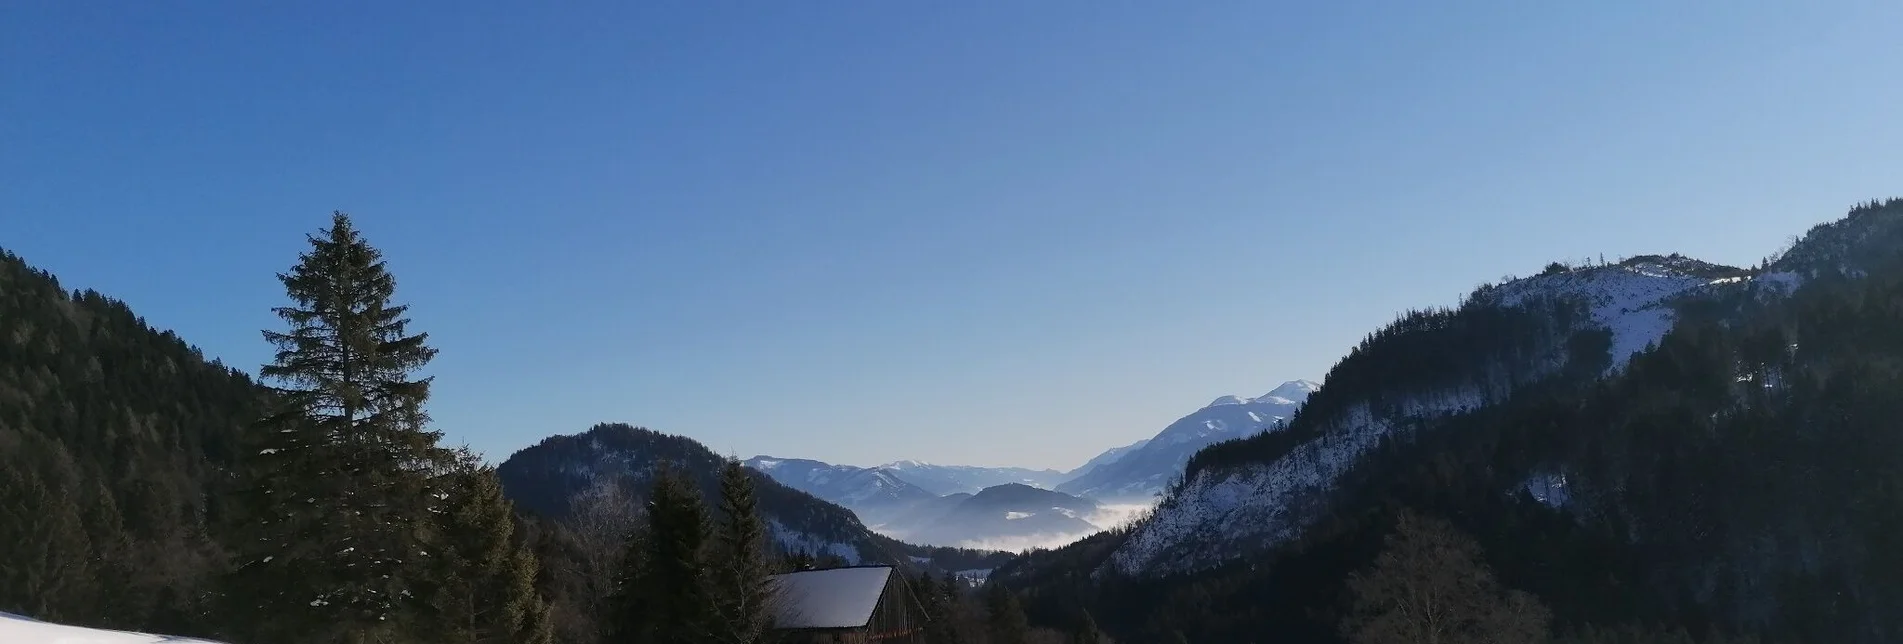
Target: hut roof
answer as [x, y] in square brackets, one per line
[831, 598]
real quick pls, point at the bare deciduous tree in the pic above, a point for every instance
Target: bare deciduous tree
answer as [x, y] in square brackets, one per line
[1430, 586]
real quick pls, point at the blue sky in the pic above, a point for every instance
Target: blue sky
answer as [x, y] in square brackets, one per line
[1010, 233]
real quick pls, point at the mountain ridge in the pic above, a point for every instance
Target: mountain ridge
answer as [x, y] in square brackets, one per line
[1141, 473]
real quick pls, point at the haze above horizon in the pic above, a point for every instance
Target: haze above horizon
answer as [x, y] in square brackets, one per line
[866, 232]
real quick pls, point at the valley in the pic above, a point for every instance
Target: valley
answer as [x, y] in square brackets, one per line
[1014, 509]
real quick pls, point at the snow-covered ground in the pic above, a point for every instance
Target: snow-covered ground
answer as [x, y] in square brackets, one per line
[15, 629]
[793, 540]
[1549, 489]
[1629, 300]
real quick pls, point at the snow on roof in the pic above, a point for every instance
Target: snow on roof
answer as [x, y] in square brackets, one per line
[25, 630]
[831, 598]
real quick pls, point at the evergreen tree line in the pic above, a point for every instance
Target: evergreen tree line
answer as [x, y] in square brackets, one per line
[956, 613]
[690, 575]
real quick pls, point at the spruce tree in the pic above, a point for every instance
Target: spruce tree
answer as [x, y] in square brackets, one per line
[1005, 616]
[336, 491]
[1087, 632]
[742, 591]
[798, 560]
[630, 609]
[485, 590]
[938, 611]
[664, 593]
[48, 575]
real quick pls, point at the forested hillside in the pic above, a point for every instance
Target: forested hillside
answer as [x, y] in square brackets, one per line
[1743, 476]
[113, 439]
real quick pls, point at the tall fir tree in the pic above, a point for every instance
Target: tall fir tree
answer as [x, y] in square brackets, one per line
[938, 611]
[630, 608]
[1087, 631]
[664, 594]
[336, 494]
[1005, 616]
[50, 575]
[742, 591]
[485, 591]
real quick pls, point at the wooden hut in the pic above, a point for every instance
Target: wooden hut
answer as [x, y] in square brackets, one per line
[852, 605]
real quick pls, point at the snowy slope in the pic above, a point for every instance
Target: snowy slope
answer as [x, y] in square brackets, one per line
[1628, 299]
[1225, 513]
[1257, 506]
[1109, 456]
[858, 488]
[15, 629]
[1142, 473]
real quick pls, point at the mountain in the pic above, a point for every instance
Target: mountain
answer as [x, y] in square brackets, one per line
[860, 489]
[1144, 471]
[550, 477]
[1007, 517]
[1107, 457]
[1659, 440]
[953, 479]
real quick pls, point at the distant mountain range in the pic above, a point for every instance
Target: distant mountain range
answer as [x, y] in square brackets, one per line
[953, 479]
[1139, 472]
[889, 503]
[969, 506]
[858, 488]
[861, 514]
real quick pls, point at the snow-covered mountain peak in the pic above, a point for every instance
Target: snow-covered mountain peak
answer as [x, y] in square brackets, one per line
[1140, 471]
[1226, 400]
[1291, 392]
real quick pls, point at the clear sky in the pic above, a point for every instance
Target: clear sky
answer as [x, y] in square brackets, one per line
[1010, 233]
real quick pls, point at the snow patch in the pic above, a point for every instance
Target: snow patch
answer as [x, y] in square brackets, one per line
[1630, 300]
[15, 629]
[975, 574]
[793, 540]
[1225, 400]
[1549, 489]
[1779, 282]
